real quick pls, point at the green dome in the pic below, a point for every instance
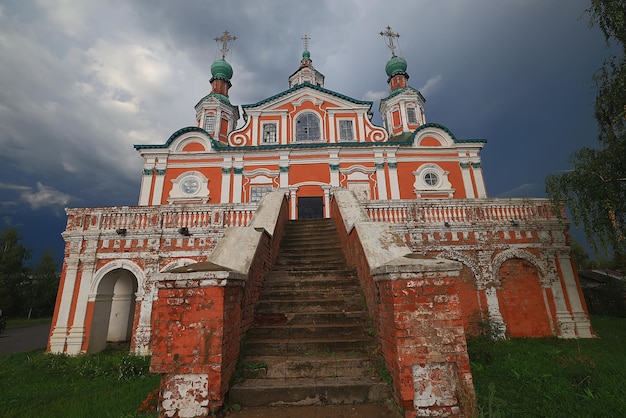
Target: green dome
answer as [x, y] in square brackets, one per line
[396, 65]
[222, 70]
[306, 55]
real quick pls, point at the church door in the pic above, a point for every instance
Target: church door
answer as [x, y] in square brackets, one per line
[310, 207]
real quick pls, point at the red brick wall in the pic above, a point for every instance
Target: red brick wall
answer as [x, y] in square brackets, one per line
[197, 328]
[419, 326]
[521, 300]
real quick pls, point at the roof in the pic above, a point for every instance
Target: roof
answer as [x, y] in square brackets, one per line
[307, 85]
[403, 139]
[403, 90]
[219, 97]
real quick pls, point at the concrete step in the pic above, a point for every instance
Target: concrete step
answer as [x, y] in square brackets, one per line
[309, 346]
[310, 266]
[322, 391]
[347, 291]
[293, 332]
[310, 275]
[301, 318]
[318, 252]
[309, 305]
[352, 365]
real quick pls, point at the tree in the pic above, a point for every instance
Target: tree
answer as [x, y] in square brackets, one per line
[40, 290]
[595, 189]
[13, 270]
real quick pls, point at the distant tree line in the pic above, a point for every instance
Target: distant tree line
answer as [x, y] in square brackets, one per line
[26, 289]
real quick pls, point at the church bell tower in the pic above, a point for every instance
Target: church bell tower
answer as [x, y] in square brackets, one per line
[403, 110]
[214, 112]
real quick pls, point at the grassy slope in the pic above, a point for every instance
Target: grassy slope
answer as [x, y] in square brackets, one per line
[34, 384]
[514, 378]
[551, 377]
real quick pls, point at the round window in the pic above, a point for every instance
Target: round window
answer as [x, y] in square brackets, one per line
[431, 179]
[190, 185]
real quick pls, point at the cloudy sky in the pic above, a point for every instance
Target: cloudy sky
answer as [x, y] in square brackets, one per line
[81, 81]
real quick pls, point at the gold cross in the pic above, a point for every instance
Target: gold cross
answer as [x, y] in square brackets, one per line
[390, 35]
[225, 39]
[306, 40]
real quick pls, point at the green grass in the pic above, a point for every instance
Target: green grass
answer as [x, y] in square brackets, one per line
[111, 384]
[550, 377]
[23, 322]
[545, 377]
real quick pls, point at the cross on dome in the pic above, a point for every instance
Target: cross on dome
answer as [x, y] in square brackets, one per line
[306, 40]
[225, 39]
[390, 35]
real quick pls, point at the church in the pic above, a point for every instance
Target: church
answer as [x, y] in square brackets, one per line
[312, 144]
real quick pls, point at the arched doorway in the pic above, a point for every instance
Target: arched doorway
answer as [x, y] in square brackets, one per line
[113, 310]
[521, 299]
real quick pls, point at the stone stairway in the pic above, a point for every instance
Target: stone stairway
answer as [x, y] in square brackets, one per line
[311, 342]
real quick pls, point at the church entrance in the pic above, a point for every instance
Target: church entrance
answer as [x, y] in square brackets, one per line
[311, 207]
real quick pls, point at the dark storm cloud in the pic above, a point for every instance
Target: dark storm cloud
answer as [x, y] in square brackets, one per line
[82, 81]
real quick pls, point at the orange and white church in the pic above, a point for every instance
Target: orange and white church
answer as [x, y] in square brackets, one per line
[308, 142]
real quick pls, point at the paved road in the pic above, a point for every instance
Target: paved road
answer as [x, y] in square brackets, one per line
[24, 339]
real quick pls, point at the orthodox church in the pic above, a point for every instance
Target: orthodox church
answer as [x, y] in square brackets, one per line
[308, 141]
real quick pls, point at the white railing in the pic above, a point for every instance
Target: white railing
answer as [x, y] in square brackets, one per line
[159, 217]
[460, 210]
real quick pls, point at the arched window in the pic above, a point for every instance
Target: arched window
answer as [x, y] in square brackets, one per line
[308, 127]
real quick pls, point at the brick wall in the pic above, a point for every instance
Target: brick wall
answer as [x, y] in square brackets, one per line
[417, 316]
[199, 321]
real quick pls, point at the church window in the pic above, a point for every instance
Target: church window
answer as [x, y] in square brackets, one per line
[209, 123]
[411, 115]
[346, 133]
[257, 192]
[269, 133]
[431, 179]
[307, 127]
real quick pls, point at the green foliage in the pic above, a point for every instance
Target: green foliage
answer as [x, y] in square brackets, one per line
[551, 377]
[26, 290]
[40, 290]
[13, 271]
[595, 189]
[109, 384]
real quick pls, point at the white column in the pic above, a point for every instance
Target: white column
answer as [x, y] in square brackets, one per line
[496, 321]
[255, 130]
[283, 167]
[225, 194]
[393, 176]
[146, 183]
[160, 170]
[283, 129]
[293, 201]
[583, 326]
[478, 177]
[76, 336]
[467, 180]
[326, 201]
[333, 166]
[405, 125]
[238, 179]
[379, 162]
[361, 135]
[58, 336]
[565, 324]
[332, 129]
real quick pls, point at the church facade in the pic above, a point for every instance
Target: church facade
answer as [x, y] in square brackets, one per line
[308, 141]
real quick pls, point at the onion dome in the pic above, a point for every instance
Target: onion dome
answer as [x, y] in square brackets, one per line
[396, 65]
[221, 70]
